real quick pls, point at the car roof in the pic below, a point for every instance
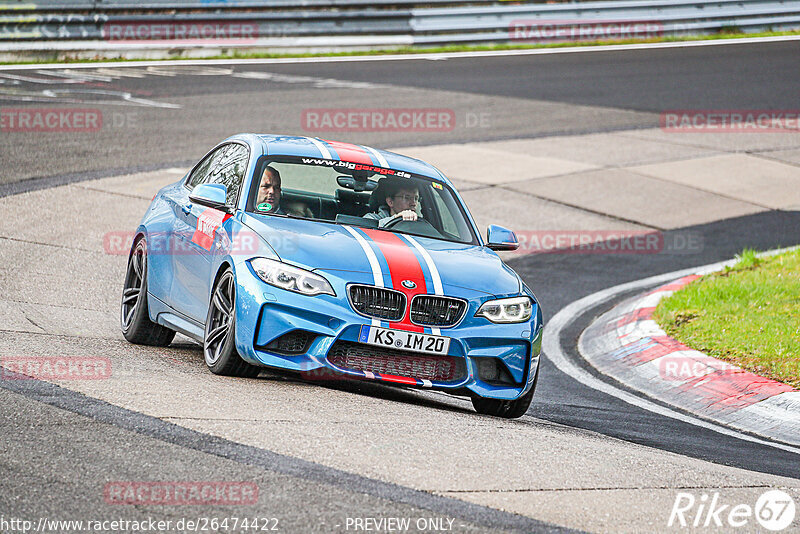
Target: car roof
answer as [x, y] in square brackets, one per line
[314, 147]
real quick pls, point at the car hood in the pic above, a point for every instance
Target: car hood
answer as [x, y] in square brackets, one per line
[331, 247]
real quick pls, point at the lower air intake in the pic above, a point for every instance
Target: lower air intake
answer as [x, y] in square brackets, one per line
[295, 342]
[359, 357]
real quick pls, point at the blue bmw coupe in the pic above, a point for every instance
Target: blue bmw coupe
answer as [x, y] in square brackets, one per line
[333, 259]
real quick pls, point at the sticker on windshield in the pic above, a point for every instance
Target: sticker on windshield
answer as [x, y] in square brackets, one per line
[264, 206]
[355, 167]
[436, 185]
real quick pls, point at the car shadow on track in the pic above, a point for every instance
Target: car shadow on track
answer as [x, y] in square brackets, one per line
[188, 354]
[373, 389]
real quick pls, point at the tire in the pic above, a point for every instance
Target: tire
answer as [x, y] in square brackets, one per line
[506, 409]
[134, 316]
[219, 336]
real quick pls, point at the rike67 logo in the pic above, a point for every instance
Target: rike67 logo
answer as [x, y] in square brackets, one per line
[774, 511]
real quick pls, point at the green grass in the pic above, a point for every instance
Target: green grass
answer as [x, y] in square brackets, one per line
[748, 314]
[729, 33]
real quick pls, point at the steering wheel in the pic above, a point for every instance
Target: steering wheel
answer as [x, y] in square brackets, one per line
[418, 227]
[393, 220]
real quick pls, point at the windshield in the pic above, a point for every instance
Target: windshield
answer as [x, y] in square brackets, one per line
[359, 195]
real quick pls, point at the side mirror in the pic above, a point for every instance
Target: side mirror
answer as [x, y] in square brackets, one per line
[211, 195]
[499, 238]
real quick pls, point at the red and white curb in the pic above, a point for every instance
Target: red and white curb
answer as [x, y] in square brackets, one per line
[626, 344]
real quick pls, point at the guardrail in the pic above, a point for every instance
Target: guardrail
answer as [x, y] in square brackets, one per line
[110, 5]
[344, 24]
[598, 19]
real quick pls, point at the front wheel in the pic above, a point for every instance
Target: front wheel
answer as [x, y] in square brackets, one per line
[219, 338]
[134, 316]
[507, 409]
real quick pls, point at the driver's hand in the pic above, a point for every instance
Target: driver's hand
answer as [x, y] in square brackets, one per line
[409, 215]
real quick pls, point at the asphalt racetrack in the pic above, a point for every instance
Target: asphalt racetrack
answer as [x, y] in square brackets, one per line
[323, 456]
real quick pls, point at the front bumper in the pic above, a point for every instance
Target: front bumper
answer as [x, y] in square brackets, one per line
[266, 313]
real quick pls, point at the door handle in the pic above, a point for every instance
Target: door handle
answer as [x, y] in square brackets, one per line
[187, 209]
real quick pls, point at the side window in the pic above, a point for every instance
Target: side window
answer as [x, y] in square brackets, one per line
[448, 223]
[225, 166]
[201, 171]
[228, 167]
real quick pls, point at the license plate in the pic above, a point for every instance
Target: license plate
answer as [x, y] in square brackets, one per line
[402, 340]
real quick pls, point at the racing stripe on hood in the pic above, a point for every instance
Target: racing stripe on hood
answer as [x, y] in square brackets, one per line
[378, 156]
[321, 147]
[438, 289]
[350, 152]
[403, 265]
[374, 264]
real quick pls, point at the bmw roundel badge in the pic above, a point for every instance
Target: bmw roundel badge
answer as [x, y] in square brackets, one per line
[408, 284]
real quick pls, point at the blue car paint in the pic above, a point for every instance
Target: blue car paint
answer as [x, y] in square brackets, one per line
[180, 281]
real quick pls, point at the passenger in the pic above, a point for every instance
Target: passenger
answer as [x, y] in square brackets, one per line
[401, 200]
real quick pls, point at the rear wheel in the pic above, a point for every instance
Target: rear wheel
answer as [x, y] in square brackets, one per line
[219, 343]
[507, 409]
[134, 316]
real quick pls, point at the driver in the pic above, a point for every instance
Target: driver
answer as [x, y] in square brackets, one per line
[401, 201]
[269, 197]
[269, 192]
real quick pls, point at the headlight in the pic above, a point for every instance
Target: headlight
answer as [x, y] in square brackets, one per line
[511, 310]
[291, 278]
